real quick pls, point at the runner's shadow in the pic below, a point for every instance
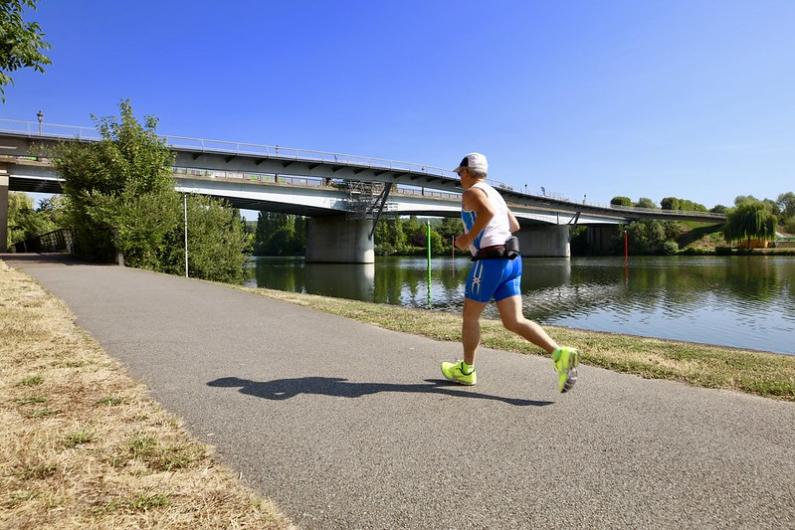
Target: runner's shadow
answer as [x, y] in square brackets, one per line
[280, 389]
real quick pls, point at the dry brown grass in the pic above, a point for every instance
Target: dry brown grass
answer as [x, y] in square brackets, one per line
[83, 446]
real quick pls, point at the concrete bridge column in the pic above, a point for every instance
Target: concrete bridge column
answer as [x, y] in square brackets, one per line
[3, 208]
[337, 239]
[544, 241]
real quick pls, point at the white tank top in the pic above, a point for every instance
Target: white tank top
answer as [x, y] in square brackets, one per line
[498, 231]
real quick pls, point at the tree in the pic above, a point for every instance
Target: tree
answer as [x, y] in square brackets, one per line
[786, 203]
[437, 243]
[415, 231]
[674, 203]
[103, 179]
[21, 43]
[55, 209]
[267, 224]
[121, 198]
[772, 207]
[645, 202]
[719, 208]
[23, 221]
[740, 199]
[750, 220]
[280, 234]
[645, 237]
[449, 228]
[621, 201]
[217, 242]
[389, 237]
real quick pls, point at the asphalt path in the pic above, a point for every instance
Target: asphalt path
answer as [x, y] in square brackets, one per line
[345, 425]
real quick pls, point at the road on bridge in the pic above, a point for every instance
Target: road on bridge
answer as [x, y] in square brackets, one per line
[345, 425]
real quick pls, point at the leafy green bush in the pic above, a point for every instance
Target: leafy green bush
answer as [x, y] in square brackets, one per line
[674, 203]
[670, 248]
[644, 202]
[692, 251]
[723, 251]
[121, 198]
[217, 242]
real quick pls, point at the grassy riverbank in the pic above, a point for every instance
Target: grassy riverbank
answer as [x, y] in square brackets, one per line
[764, 374]
[83, 446]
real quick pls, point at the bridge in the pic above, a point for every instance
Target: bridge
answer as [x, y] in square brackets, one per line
[342, 194]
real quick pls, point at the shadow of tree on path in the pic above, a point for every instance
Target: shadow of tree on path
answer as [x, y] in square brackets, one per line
[280, 389]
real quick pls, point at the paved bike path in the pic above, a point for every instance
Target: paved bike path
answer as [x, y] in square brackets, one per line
[345, 425]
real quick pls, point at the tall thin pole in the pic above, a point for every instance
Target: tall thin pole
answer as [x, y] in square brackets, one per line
[428, 245]
[185, 213]
[626, 247]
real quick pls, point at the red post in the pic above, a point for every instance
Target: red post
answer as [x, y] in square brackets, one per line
[626, 246]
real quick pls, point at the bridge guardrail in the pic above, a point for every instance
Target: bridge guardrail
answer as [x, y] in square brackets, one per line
[59, 240]
[303, 181]
[34, 129]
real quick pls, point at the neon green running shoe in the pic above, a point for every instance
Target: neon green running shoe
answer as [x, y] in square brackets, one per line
[453, 372]
[566, 361]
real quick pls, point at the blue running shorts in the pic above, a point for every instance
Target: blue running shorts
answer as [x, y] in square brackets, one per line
[494, 279]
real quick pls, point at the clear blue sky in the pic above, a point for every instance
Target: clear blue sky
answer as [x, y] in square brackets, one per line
[655, 98]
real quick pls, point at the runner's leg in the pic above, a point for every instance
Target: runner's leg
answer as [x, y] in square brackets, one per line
[512, 318]
[470, 331]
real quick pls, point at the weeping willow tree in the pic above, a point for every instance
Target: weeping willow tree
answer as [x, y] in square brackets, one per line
[750, 220]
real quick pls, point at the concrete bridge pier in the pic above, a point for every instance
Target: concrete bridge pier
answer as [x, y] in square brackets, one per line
[3, 208]
[338, 239]
[544, 241]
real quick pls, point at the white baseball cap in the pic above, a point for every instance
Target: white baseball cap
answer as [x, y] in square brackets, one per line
[475, 162]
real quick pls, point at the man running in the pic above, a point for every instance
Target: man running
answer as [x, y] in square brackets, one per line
[488, 225]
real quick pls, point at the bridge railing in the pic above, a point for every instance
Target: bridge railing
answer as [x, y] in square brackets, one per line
[313, 182]
[52, 130]
[672, 213]
[34, 129]
[59, 240]
[250, 177]
[425, 192]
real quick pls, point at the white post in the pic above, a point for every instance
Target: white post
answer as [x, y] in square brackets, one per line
[185, 211]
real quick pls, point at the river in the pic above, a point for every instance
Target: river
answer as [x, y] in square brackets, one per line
[741, 301]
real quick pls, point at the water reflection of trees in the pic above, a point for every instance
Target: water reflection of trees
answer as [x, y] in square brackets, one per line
[285, 274]
[337, 280]
[677, 285]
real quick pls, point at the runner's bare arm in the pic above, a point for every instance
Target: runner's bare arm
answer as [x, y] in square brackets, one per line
[512, 222]
[475, 200]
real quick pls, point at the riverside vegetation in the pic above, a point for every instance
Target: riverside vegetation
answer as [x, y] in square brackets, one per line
[119, 198]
